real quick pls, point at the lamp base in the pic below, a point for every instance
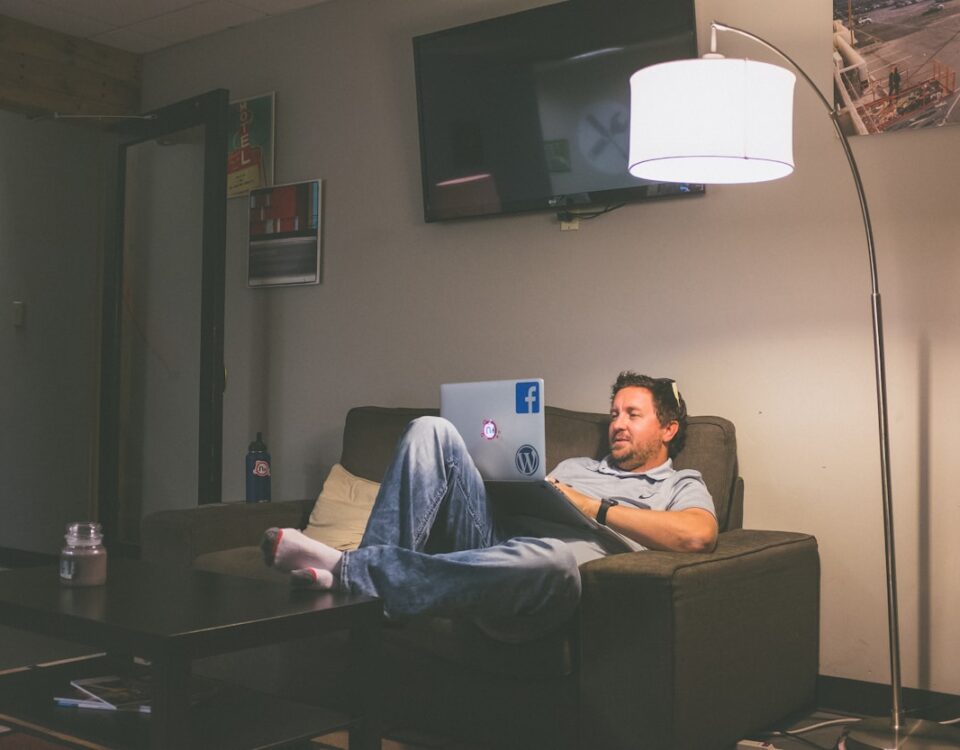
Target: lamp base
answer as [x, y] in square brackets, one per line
[914, 734]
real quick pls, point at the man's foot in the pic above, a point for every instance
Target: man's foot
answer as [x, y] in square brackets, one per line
[312, 578]
[292, 550]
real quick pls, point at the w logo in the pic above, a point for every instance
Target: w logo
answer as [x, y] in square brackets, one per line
[527, 460]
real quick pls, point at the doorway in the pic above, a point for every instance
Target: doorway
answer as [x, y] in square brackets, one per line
[162, 375]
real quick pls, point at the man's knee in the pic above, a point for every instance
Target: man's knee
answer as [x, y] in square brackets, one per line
[428, 426]
[433, 434]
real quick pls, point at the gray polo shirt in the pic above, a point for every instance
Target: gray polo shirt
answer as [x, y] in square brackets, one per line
[661, 488]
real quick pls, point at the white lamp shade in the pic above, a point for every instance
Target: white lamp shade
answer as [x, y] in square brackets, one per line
[711, 120]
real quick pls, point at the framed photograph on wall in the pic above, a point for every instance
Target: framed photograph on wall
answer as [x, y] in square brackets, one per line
[250, 154]
[895, 64]
[285, 235]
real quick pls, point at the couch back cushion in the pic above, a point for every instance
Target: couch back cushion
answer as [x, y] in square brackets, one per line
[371, 433]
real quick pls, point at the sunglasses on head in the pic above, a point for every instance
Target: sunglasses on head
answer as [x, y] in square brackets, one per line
[673, 388]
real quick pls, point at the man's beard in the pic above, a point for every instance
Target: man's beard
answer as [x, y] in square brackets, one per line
[635, 456]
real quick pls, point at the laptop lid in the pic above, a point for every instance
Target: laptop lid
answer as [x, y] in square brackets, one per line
[502, 424]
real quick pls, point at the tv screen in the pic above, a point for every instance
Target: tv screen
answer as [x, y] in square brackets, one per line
[531, 111]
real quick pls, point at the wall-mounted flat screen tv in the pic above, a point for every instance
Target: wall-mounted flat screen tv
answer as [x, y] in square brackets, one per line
[531, 111]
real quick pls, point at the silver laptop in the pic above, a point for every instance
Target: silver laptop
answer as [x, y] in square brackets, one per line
[502, 424]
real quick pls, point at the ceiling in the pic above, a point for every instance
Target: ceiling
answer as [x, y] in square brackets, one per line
[145, 25]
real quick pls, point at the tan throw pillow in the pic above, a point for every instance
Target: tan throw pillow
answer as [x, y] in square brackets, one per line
[340, 514]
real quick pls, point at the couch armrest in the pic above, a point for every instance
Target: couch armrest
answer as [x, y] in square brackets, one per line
[179, 536]
[696, 651]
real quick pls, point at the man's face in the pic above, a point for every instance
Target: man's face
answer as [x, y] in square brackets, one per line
[638, 441]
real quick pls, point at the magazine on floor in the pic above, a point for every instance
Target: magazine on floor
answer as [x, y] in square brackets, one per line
[109, 692]
[123, 692]
[78, 699]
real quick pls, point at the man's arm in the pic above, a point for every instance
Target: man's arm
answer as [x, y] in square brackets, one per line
[690, 530]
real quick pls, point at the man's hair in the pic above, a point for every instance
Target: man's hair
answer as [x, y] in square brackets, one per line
[667, 401]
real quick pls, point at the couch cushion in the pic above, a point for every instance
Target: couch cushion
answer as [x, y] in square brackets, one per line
[246, 562]
[370, 435]
[711, 449]
[340, 514]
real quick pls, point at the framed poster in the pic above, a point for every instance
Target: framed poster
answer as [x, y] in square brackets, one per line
[285, 231]
[895, 64]
[250, 148]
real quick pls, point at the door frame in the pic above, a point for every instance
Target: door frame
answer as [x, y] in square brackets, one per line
[210, 110]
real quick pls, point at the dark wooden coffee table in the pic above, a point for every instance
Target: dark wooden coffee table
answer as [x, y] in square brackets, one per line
[171, 616]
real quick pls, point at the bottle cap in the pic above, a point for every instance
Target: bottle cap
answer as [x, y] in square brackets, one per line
[258, 445]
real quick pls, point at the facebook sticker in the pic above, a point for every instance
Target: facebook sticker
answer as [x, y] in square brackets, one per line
[528, 397]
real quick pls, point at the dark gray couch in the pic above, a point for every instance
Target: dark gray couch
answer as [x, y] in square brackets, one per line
[669, 651]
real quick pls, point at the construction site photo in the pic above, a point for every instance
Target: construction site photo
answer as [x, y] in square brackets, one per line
[895, 64]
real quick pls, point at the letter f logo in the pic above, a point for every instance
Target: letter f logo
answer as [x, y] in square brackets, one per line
[528, 397]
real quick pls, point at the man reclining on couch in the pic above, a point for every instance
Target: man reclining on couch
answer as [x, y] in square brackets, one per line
[433, 546]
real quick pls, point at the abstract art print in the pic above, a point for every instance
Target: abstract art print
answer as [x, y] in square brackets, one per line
[285, 235]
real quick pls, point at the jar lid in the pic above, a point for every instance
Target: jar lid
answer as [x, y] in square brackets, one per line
[84, 533]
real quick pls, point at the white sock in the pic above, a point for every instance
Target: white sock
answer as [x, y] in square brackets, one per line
[314, 578]
[291, 549]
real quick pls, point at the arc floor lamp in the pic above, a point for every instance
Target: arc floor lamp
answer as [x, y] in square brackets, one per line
[719, 120]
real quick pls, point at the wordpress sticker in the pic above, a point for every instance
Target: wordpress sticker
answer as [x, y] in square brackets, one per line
[527, 460]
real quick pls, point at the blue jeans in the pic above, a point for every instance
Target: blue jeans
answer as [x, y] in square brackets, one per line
[432, 546]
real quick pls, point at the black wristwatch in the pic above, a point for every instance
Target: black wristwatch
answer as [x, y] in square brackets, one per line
[605, 505]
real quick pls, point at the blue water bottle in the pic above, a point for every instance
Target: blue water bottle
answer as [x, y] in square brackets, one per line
[258, 471]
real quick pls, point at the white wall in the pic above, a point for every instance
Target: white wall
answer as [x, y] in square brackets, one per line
[51, 208]
[756, 298]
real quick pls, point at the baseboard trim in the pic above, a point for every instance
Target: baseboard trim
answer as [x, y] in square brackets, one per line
[20, 558]
[874, 699]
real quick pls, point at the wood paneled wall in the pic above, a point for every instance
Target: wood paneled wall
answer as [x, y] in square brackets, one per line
[45, 72]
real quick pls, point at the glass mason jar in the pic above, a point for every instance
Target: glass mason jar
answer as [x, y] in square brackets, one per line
[83, 560]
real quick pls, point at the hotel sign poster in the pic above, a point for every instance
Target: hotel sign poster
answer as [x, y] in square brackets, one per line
[250, 154]
[895, 64]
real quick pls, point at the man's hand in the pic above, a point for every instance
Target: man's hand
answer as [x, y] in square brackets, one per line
[691, 530]
[585, 503]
